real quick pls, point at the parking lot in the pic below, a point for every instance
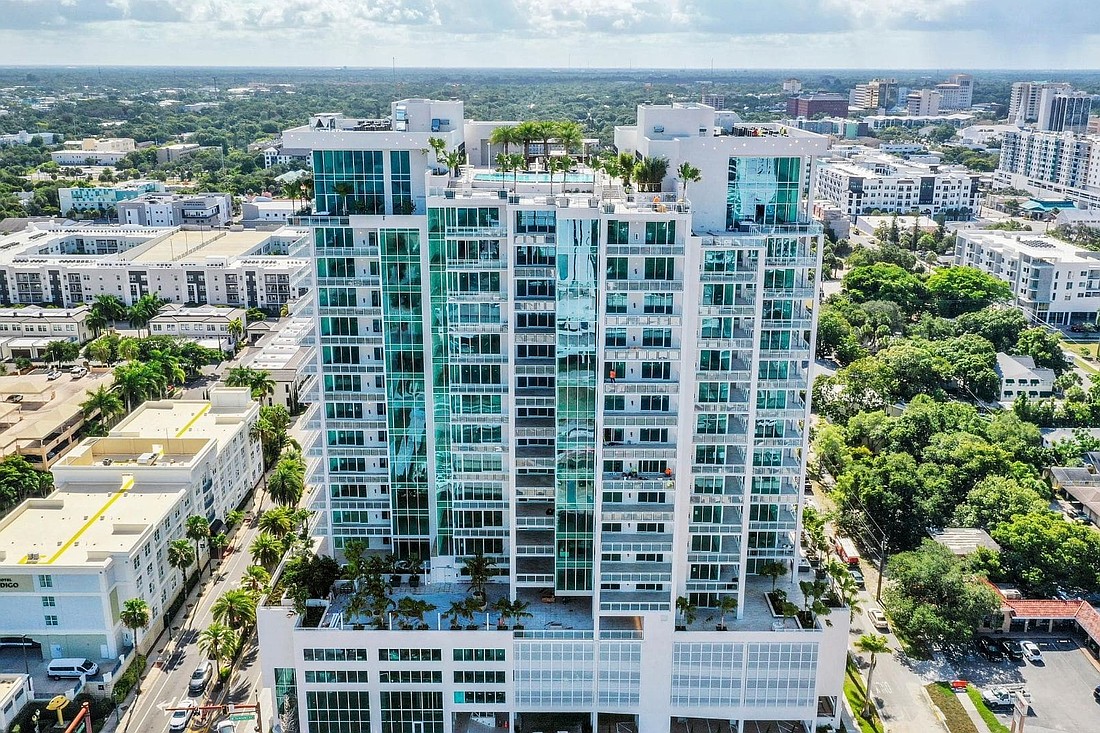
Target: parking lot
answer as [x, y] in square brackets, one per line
[1060, 687]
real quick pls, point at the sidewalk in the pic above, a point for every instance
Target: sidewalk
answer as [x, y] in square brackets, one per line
[971, 710]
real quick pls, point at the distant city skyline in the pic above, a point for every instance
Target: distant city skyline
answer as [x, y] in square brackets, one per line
[812, 34]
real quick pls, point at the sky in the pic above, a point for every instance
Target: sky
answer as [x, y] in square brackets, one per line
[823, 34]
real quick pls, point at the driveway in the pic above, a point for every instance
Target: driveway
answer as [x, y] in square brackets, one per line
[1061, 688]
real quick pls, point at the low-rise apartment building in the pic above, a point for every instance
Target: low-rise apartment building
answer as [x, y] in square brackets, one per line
[207, 325]
[73, 558]
[37, 324]
[102, 198]
[1021, 378]
[286, 359]
[93, 151]
[1053, 281]
[67, 265]
[169, 210]
[47, 417]
[872, 181]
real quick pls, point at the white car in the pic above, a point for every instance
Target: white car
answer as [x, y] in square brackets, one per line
[878, 619]
[1031, 651]
[182, 716]
[226, 726]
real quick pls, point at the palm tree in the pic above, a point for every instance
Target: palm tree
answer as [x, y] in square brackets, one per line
[558, 164]
[287, 482]
[439, 145]
[218, 642]
[525, 133]
[504, 135]
[169, 365]
[628, 164]
[96, 321]
[134, 616]
[180, 556]
[137, 382]
[457, 611]
[687, 610]
[504, 164]
[262, 384]
[726, 605]
[143, 310]
[570, 135]
[235, 329]
[276, 521]
[479, 568]
[518, 611]
[545, 130]
[103, 402]
[235, 608]
[255, 579]
[266, 550]
[650, 172]
[454, 160]
[849, 594]
[197, 530]
[772, 569]
[687, 173]
[109, 307]
[873, 644]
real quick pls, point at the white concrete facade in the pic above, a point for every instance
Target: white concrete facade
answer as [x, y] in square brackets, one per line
[70, 265]
[1058, 163]
[102, 198]
[1053, 281]
[72, 559]
[865, 182]
[533, 375]
[169, 210]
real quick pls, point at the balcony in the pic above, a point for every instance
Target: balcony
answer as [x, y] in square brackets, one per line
[644, 286]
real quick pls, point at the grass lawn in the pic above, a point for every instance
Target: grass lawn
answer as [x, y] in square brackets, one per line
[1084, 353]
[953, 712]
[854, 691]
[995, 726]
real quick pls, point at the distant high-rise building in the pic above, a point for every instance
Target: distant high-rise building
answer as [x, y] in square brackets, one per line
[819, 103]
[877, 94]
[1052, 164]
[923, 102]
[718, 101]
[1064, 111]
[1023, 106]
[792, 86]
[957, 92]
[605, 394]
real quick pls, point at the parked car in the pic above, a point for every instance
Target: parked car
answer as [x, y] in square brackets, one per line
[997, 699]
[1012, 648]
[200, 677]
[1031, 652]
[181, 717]
[78, 372]
[878, 619]
[14, 398]
[989, 648]
[52, 375]
[225, 726]
[1096, 693]
[857, 575]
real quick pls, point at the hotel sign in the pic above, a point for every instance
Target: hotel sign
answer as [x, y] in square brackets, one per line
[15, 583]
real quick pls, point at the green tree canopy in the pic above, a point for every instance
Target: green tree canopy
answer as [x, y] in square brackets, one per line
[932, 599]
[882, 281]
[957, 290]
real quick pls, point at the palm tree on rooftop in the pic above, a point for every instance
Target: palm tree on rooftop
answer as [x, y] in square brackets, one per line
[571, 136]
[504, 135]
[687, 173]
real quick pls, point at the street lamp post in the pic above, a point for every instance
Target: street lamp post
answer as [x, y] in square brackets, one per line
[26, 664]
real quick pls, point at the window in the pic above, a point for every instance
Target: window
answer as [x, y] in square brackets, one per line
[656, 370]
[536, 222]
[614, 403]
[657, 303]
[617, 268]
[653, 435]
[487, 697]
[410, 676]
[49, 601]
[410, 655]
[337, 711]
[654, 403]
[337, 676]
[615, 337]
[45, 581]
[660, 268]
[480, 677]
[478, 655]
[660, 232]
[618, 232]
[616, 303]
[51, 620]
[657, 337]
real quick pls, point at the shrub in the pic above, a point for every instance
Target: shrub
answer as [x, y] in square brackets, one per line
[130, 677]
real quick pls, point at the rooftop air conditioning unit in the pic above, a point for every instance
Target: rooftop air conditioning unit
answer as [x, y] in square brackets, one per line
[147, 459]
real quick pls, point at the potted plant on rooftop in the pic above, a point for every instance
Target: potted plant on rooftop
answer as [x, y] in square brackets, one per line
[726, 605]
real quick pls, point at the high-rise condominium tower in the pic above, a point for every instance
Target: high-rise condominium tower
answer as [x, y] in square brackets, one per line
[600, 394]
